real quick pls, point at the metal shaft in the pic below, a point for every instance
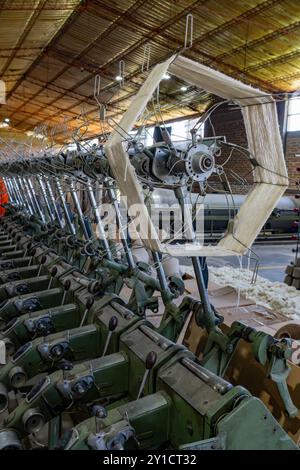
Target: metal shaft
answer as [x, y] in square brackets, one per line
[44, 194]
[28, 194]
[107, 343]
[190, 235]
[52, 198]
[65, 209]
[98, 220]
[127, 250]
[144, 380]
[35, 200]
[11, 194]
[16, 195]
[78, 210]
[24, 194]
[160, 273]
[84, 316]
[13, 184]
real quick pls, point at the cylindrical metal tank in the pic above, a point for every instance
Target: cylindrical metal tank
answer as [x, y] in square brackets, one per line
[218, 209]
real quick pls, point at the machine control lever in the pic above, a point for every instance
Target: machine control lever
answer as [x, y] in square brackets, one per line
[88, 306]
[53, 273]
[279, 370]
[113, 323]
[65, 366]
[67, 286]
[43, 261]
[100, 414]
[149, 364]
[273, 353]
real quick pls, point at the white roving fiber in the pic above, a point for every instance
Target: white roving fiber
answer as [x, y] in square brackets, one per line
[277, 296]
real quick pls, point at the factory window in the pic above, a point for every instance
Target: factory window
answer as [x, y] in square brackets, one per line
[293, 123]
[180, 131]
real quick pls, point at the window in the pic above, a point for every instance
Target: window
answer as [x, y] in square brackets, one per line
[293, 123]
[180, 131]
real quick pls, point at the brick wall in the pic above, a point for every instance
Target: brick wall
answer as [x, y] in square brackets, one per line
[292, 147]
[229, 122]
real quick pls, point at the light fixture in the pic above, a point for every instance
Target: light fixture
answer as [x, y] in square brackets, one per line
[4, 124]
[119, 78]
[166, 76]
[183, 88]
[7, 120]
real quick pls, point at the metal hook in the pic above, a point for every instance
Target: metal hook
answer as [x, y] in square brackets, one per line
[97, 84]
[102, 113]
[146, 58]
[83, 115]
[189, 28]
[121, 72]
[102, 108]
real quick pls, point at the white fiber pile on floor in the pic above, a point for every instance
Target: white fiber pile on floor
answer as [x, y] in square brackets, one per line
[277, 296]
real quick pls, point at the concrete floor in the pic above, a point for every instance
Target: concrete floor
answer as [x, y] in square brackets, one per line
[273, 259]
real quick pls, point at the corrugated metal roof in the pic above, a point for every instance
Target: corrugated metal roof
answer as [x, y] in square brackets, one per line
[254, 40]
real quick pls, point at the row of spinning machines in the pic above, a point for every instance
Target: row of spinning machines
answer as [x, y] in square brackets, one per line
[85, 368]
